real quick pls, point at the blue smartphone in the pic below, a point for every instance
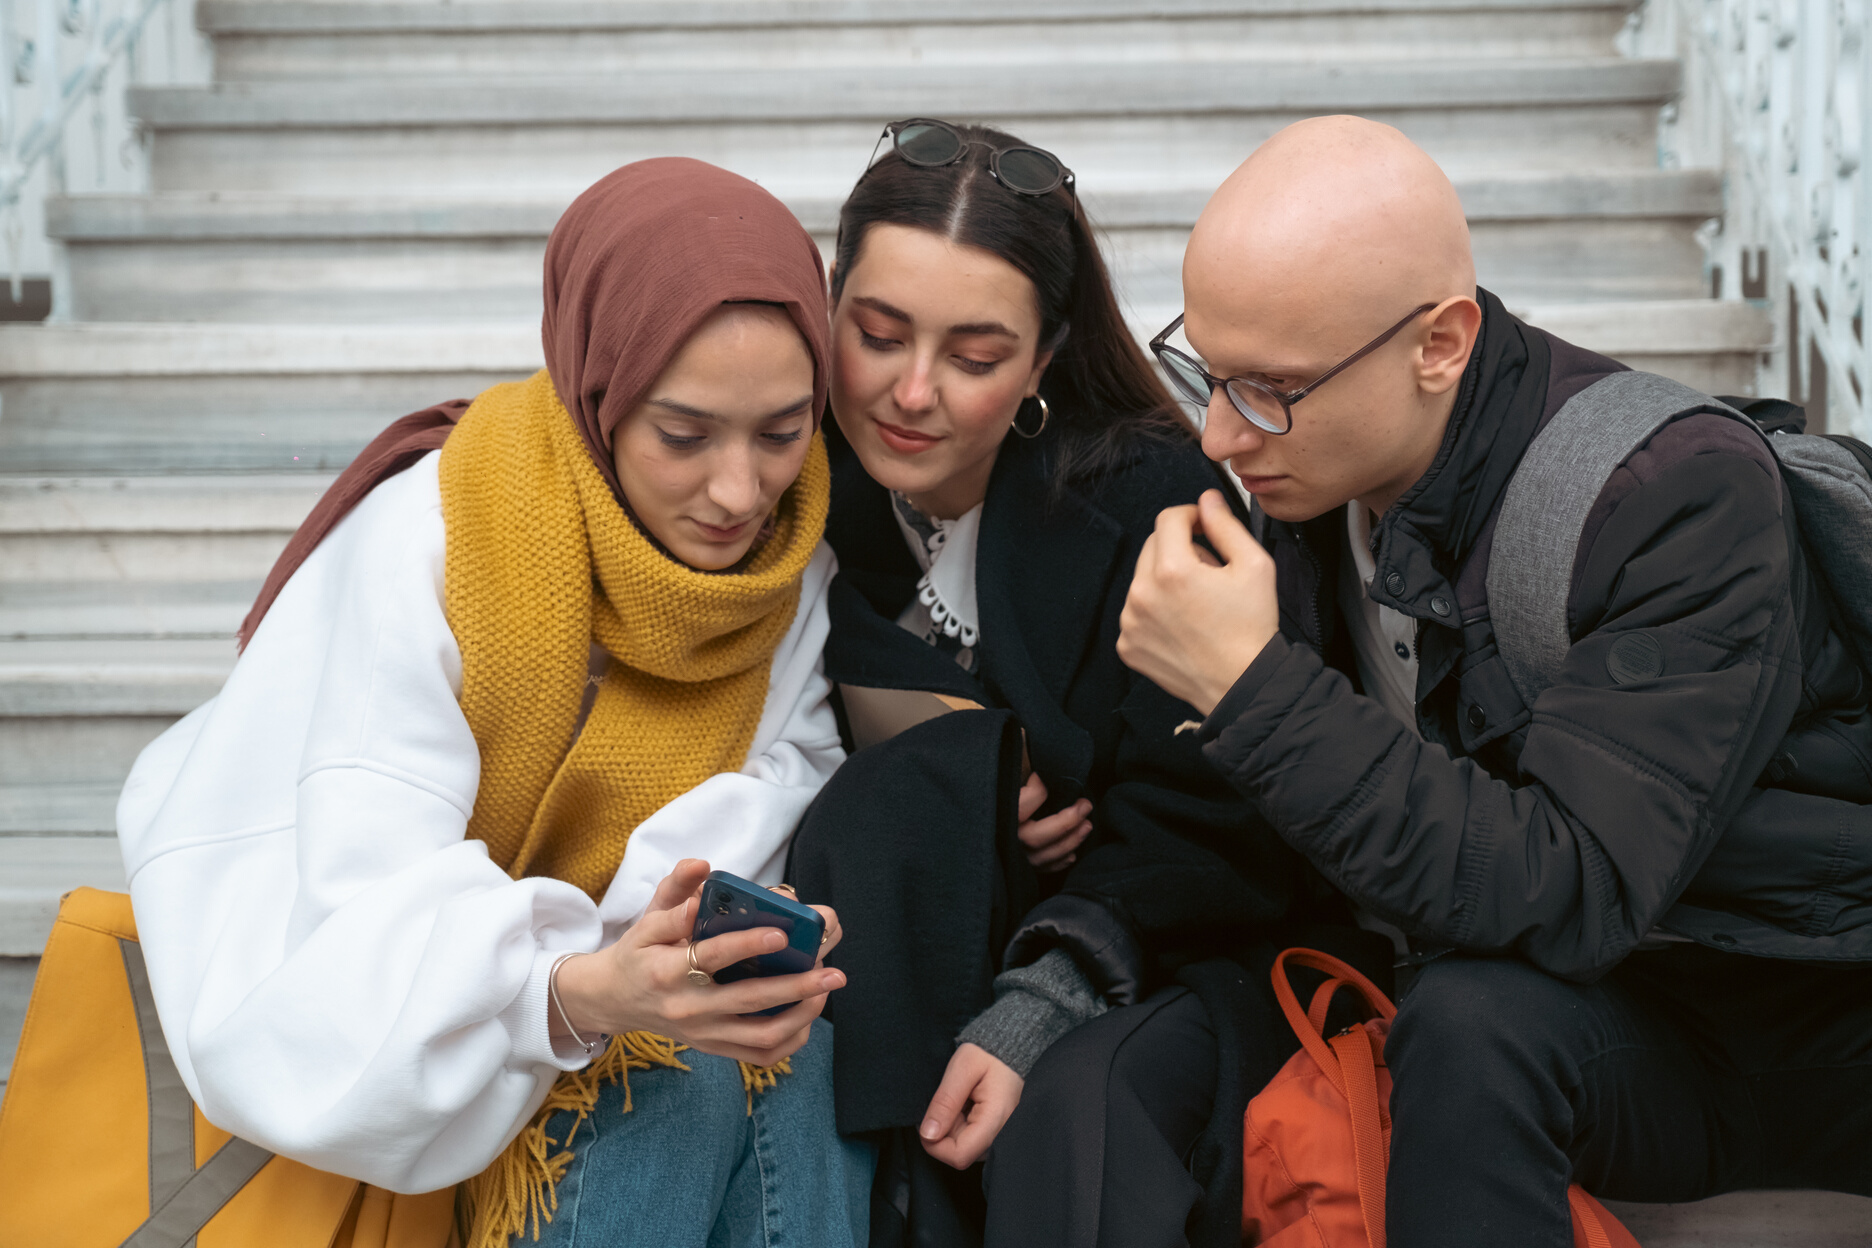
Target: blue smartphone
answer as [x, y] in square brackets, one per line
[732, 904]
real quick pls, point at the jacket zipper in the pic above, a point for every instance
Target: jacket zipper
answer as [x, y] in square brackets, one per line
[1319, 582]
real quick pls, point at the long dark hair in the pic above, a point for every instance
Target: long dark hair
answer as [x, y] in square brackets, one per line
[1102, 393]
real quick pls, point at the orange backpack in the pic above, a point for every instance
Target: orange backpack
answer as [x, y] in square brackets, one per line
[1317, 1140]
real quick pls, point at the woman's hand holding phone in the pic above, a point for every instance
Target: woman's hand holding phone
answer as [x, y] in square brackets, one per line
[641, 983]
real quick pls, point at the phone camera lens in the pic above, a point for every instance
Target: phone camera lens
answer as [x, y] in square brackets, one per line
[721, 904]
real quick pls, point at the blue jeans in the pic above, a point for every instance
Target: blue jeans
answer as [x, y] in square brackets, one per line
[689, 1167]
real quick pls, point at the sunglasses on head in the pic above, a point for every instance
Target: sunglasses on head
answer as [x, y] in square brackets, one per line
[930, 144]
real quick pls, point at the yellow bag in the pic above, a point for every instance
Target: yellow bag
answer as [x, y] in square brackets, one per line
[101, 1147]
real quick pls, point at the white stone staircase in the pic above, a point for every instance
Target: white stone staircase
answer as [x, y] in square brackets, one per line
[348, 224]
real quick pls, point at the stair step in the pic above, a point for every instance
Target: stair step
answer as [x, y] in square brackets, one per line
[103, 349]
[223, 18]
[133, 531]
[1708, 345]
[217, 215]
[271, 41]
[59, 810]
[1525, 261]
[35, 871]
[75, 713]
[101, 610]
[282, 258]
[65, 678]
[70, 745]
[1660, 327]
[142, 399]
[139, 554]
[61, 505]
[866, 91]
[220, 18]
[141, 557]
[1122, 125]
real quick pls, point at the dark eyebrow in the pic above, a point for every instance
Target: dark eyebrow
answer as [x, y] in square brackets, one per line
[879, 306]
[896, 314]
[696, 413]
[985, 327]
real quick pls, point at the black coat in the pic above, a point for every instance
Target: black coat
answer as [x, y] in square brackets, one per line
[1568, 832]
[913, 839]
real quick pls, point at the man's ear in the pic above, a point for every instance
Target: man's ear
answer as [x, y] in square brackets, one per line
[1449, 337]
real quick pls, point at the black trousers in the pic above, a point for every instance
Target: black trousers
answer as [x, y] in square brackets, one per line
[1097, 1152]
[1683, 1074]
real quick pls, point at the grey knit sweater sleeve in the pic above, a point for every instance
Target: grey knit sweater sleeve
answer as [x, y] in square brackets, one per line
[1034, 1006]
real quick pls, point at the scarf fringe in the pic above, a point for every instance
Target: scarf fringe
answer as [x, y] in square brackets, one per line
[520, 1191]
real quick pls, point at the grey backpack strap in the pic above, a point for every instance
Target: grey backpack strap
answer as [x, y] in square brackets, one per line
[183, 1198]
[1544, 509]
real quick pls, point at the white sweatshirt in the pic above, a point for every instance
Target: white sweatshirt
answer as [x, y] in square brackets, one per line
[342, 977]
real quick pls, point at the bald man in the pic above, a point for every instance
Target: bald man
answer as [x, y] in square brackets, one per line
[1651, 891]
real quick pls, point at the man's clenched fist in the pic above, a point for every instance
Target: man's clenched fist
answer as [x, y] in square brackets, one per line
[1191, 624]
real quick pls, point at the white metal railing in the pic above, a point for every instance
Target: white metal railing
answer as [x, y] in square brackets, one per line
[64, 68]
[1778, 94]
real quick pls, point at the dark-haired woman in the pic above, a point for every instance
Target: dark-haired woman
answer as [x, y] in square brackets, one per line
[1002, 450]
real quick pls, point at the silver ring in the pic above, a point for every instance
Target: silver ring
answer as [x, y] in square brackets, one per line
[697, 976]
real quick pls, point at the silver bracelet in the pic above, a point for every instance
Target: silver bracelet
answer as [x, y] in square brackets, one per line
[552, 992]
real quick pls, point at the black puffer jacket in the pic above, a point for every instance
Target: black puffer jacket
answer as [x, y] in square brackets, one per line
[1725, 801]
[913, 840]
[1175, 850]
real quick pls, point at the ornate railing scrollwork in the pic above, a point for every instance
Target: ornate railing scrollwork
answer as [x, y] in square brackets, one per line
[60, 58]
[1778, 94]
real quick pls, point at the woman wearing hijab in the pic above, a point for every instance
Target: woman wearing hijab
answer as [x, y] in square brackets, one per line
[1073, 941]
[415, 888]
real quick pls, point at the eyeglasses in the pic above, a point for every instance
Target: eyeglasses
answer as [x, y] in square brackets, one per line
[930, 144]
[1260, 404]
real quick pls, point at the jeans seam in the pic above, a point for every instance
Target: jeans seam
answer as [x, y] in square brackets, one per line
[759, 1149]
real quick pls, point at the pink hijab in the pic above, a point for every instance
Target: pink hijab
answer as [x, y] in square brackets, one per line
[633, 268]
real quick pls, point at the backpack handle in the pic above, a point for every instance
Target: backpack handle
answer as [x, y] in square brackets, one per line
[1322, 1002]
[1309, 1028]
[1349, 1061]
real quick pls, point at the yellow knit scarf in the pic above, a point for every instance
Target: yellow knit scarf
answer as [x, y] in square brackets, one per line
[541, 562]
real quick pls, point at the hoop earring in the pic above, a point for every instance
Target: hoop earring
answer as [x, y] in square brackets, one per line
[1045, 412]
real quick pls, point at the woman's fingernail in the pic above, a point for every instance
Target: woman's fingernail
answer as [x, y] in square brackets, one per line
[833, 979]
[930, 1130]
[772, 940]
